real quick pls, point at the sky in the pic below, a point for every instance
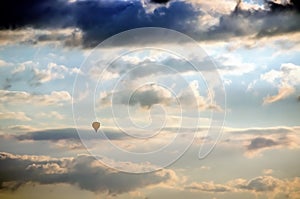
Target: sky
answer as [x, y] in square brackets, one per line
[196, 99]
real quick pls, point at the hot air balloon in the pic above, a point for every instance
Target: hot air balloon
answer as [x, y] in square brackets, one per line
[96, 126]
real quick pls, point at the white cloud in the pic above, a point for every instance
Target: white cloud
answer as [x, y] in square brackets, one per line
[52, 72]
[14, 116]
[267, 171]
[283, 92]
[230, 64]
[22, 66]
[284, 79]
[51, 114]
[4, 63]
[190, 97]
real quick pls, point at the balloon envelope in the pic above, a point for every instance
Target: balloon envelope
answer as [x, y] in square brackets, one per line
[96, 126]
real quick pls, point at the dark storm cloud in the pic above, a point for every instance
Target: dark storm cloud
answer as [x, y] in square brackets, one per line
[83, 171]
[35, 13]
[101, 20]
[160, 1]
[98, 20]
[294, 5]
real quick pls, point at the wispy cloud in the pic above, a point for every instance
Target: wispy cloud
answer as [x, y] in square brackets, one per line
[14, 116]
[21, 97]
[257, 140]
[266, 185]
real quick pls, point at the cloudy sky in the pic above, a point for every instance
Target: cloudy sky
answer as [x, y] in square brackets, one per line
[197, 99]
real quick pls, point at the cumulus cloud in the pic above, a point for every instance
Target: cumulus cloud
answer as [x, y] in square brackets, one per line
[152, 94]
[285, 79]
[146, 97]
[33, 74]
[190, 97]
[82, 171]
[52, 72]
[21, 97]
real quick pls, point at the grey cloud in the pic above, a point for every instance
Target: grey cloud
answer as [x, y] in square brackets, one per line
[146, 97]
[261, 142]
[150, 97]
[83, 171]
[261, 184]
[257, 140]
[69, 134]
[152, 94]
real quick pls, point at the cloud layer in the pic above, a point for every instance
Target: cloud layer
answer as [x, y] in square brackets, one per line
[94, 21]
